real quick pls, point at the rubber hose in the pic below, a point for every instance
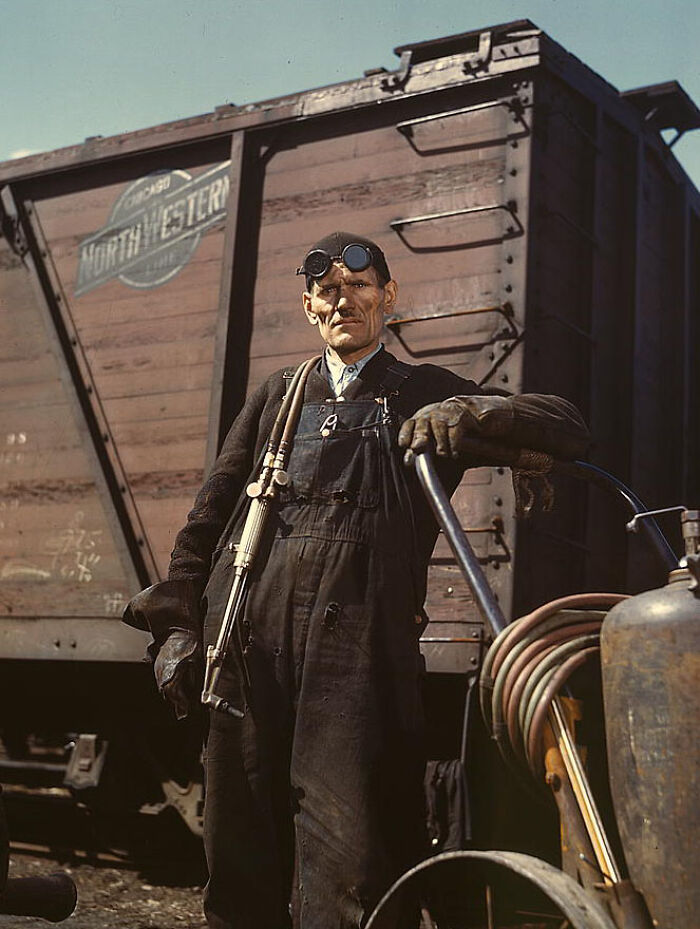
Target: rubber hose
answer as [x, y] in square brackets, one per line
[533, 688]
[547, 623]
[521, 675]
[539, 717]
[575, 601]
[519, 627]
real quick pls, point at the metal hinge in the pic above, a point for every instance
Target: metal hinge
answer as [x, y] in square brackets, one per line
[479, 59]
[397, 80]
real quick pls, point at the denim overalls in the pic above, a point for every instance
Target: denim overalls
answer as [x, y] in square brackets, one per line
[316, 794]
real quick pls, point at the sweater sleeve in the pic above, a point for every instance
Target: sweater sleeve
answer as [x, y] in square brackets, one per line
[213, 505]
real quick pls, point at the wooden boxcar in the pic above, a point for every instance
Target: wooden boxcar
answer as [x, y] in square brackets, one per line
[544, 238]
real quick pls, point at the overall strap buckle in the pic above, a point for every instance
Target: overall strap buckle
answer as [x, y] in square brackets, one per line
[394, 378]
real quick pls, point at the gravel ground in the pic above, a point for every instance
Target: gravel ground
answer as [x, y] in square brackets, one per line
[110, 898]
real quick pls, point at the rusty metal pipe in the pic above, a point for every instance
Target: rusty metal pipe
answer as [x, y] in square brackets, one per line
[579, 782]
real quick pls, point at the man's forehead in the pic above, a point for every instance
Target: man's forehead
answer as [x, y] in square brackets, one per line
[339, 272]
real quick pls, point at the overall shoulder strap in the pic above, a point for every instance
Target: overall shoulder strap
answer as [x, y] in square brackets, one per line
[395, 376]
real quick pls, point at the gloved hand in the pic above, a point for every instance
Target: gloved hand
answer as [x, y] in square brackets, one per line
[177, 669]
[538, 422]
[170, 612]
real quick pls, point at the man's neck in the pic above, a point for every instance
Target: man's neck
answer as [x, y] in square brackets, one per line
[352, 357]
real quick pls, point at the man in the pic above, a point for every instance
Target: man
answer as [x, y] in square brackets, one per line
[314, 797]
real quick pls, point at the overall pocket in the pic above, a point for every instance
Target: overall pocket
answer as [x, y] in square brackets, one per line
[343, 467]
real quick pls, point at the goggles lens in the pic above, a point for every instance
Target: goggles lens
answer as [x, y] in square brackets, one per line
[318, 262]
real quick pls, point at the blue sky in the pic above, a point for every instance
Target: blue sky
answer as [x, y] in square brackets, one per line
[76, 68]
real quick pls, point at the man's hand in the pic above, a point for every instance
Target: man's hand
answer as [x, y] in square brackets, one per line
[170, 612]
[177, 670]
[441, 427]
[534, 421]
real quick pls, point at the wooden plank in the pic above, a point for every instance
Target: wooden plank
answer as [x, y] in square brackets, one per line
[188, 453]
[351, 175]
[184, 327]
[145, 409]
[57, 556]
[157, 357]
[187, 377]
[362, 148]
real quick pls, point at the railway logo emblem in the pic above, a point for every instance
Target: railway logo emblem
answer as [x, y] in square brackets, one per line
[154, 229]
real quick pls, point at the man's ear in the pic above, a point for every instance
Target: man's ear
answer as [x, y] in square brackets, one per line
[391, 293]
[306, 302]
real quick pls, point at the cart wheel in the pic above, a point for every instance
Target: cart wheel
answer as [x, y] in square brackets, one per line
[461, 890]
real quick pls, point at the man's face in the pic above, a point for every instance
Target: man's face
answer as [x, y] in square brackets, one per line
[349, 307]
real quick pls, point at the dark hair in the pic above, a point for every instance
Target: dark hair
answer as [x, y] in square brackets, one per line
[334, 244]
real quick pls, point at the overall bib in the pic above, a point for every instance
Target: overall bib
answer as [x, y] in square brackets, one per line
[316, 794]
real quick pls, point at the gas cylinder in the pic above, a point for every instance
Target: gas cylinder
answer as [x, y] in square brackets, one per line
[650, 652]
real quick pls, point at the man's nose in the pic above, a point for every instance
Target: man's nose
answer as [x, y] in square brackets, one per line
[343, 297]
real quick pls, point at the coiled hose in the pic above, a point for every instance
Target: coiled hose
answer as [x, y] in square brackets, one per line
[528, 664]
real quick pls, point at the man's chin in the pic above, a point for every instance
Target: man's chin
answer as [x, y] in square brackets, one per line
[343, 342]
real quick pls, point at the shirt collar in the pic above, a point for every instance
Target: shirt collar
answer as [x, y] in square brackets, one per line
[340, 375]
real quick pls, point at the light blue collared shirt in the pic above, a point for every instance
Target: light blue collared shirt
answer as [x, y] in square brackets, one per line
[340, 375]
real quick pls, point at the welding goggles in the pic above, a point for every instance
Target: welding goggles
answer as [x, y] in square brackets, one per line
[318, 262]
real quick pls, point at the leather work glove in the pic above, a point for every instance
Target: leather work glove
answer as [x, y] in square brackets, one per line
[456, 428]
[170, 612]
[177, 670]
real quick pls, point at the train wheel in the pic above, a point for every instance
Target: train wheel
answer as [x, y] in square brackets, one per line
[488, 890]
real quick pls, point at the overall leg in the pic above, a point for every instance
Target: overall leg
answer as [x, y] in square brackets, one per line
[248, 831]
[358, 756]
[248, 827]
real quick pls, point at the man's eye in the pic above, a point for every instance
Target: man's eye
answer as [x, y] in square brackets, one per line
[359, 284]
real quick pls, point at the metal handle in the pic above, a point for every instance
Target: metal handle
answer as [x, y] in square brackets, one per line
[406, 127]
[398, 224]
[504, 309]
[447, 519]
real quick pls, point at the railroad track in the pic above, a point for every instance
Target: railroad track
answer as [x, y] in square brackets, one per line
[54, 824]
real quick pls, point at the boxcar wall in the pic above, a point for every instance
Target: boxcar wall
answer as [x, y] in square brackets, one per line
[543, 236]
